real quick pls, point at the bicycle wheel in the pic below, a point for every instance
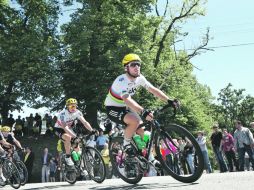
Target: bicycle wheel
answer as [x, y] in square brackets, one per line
[11, 173]
[22, 172]
[69, 173]
[94, 164]
[184, 160]
[127, 168]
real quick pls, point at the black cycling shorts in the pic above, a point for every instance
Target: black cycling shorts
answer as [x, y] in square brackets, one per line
[59, 132]
[116, 114]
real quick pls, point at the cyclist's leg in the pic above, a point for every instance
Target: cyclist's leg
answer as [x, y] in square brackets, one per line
[132, 121]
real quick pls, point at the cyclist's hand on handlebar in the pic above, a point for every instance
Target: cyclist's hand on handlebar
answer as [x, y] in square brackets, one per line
[147, 115]
[174, 103]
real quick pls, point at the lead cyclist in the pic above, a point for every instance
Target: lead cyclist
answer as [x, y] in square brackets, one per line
[64, 123]
[122, 108]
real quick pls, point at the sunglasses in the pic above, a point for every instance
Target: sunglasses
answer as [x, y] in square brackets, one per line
[134, 64]
[72, 106]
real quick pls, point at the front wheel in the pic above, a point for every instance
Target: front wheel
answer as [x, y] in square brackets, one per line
[179, 153]
[94, 164]
[11, 173]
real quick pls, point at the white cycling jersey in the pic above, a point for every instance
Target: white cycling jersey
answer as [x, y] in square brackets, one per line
[67, 117]
[122, 86]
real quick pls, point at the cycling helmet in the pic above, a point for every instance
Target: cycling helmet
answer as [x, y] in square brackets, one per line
[130, 57]
[5, 129]
[71, 101]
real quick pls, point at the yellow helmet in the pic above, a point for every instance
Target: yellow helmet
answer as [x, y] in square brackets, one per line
[5, 129]
[130, 57]
[71, 101]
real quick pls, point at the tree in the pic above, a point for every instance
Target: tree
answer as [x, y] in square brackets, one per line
[234, 105]
[29, 49]
[102, 32]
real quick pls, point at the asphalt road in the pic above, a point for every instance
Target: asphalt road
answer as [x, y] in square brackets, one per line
[215, 181]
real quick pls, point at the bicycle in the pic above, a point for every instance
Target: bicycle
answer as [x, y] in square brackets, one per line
[10, 173]
[23, 173]
[131, 168]
[90, 161]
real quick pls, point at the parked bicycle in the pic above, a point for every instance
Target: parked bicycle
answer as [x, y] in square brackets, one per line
[131, 168]
[10, 173]
[90, 161]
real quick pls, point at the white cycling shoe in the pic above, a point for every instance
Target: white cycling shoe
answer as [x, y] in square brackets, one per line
[69, 161]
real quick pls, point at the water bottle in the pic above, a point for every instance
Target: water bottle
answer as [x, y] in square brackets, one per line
[139, 142]
[75, 156]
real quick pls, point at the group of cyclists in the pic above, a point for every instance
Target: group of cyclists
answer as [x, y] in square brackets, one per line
[121, 108]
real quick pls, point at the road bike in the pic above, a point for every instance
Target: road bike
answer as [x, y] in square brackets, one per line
[90, 161]
[10, 173]
[23, 173]
[171, 143]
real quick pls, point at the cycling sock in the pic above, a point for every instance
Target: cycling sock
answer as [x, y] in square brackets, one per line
[126, 141]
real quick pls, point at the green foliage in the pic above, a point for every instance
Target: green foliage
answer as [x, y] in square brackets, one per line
[234, 105]
[29, 52]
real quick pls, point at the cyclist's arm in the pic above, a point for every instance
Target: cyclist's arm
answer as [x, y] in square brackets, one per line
[132, 103]
[17, 143]
[85, 123]
[158, 93]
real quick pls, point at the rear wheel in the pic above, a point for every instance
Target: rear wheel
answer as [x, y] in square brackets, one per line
[183, 161]
[127, 168]
[11, 173]
[94, 164]
[69, 173]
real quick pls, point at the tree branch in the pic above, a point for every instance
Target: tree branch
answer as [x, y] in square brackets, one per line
[181, 15]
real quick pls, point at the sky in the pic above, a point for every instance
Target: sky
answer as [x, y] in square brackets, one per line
[231, 24]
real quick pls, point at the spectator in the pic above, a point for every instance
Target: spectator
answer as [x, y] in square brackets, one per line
[52, 170]
[91, 142]
[244, 142]
[252, 125]
[18, 126]
[29, 161]
[101, 141]
[105, 156]
[25, 126]
[182, 158]
[10, 121]
[229, 150]
[30, 123]
[45, 159]
[37, 119]
[188, 152]
[216, 144]
[201, 139]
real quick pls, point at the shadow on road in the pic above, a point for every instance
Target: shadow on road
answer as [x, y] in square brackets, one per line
[144, 186]
[123, 187]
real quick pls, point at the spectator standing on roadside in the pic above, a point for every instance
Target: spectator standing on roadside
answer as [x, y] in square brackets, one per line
[216, 138]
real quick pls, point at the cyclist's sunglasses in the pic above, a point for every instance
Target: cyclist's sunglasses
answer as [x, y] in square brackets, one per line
[72, 106]
[134, 64]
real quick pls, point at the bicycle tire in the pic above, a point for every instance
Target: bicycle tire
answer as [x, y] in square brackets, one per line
[163, 138]
[116, 145]
[22, 171]
[70, 175]
[94, 164]
[11, 173]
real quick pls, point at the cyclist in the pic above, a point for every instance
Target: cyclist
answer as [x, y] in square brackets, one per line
[120, 106]
[10, 138]
[64, 123]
